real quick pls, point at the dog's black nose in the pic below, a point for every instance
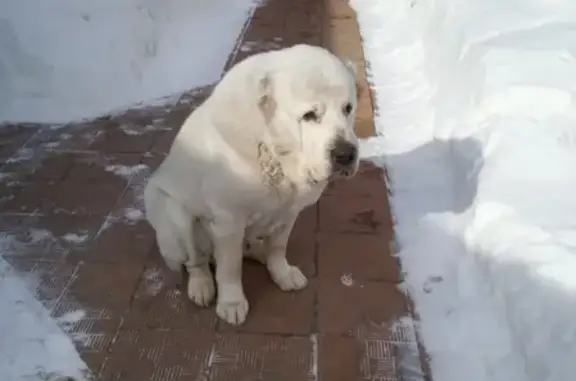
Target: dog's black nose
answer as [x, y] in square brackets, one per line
[343, 153]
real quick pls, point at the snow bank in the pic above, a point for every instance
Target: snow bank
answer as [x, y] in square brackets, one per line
[32, 345]
[477, 126]
[63, 60]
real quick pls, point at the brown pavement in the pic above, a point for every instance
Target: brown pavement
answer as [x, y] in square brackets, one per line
[71, 217]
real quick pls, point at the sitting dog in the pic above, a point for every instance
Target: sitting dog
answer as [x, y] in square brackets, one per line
[262, 147]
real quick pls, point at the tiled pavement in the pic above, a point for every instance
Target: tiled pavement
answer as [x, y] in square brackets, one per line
[71, 221]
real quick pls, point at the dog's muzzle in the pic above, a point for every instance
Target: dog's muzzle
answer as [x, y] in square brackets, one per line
[343, 157]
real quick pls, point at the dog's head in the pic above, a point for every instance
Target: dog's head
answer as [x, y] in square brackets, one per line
[309, 103]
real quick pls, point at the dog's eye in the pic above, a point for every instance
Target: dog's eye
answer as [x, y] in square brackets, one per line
[347, 109]
[310, 116]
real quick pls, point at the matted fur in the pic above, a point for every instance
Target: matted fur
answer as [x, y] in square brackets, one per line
[244, 165]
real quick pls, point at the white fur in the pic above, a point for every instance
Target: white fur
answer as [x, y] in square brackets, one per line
[244, 165]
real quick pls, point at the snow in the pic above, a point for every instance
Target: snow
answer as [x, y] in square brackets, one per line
[33, 346]
[126, 171]
[476, 125]
[74, 59]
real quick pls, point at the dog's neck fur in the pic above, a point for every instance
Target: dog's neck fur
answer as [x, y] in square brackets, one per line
[282, 169]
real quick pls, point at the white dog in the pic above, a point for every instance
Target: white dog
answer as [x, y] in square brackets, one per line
[261, 148]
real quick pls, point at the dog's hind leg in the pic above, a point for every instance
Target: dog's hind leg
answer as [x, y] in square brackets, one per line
[256, 249]
[173, 252]
[171, 249]
[175, 235]
[285, 275]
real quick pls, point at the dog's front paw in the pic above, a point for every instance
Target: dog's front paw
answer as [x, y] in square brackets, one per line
[233, 311]
[201, 290]
[291, 279]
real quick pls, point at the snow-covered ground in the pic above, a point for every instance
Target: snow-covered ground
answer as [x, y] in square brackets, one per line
[64, 60]
[477, 125]
[32, 344]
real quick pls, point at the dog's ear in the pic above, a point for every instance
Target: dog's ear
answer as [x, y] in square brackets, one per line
[278, 138]
[266, 101]
[353, 69]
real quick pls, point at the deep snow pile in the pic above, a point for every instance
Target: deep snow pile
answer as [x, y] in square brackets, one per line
[477, 125]
[64, 60]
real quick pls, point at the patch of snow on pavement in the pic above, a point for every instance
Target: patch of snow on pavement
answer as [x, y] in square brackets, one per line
[126, 171]
[20, 241]
[153, 281]
[135, 210]
[22, 154]
[476, 128]
[79, 59]
[133, 214]
[347, 280]
[75, 238]
[33, 348]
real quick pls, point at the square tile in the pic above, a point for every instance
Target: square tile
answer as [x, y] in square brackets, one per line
[73, 137]
[94, 361]
[90, 335]
[46, 238]
[358, 307]
[262, 357]
[354, 215]
[357, 256]
[13, 137]
[340, 358]
[81, 198]
[98, 168]
[125, 136]
[39, 166]
[24, 198]
[105, 285]
[368, 182]
[119, 240]
[158, 356]
[160, 303]
[271, 309]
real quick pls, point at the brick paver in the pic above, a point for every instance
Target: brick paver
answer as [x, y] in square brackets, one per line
[72, 219]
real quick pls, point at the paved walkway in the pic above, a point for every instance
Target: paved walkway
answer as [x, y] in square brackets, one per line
[72, 219]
